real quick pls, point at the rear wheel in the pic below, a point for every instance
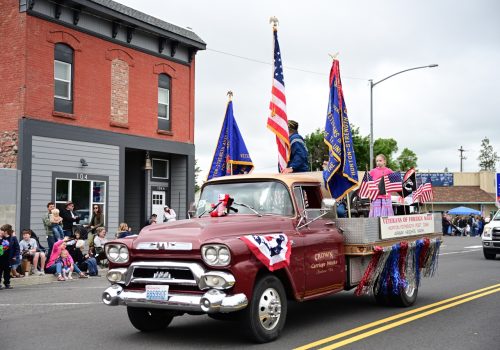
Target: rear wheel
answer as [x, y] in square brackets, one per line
[149, 320]
[407, 296]
[265, 316]
[489, 255]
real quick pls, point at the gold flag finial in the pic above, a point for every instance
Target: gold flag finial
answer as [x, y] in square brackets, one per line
[334, 56]
[230, 95]
[274, 21]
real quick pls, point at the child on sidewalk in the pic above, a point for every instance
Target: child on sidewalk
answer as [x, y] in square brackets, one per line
[56, 224]
[67, 265]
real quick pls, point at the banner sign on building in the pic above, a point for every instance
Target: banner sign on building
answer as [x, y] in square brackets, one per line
[437, 179]
[406, 225]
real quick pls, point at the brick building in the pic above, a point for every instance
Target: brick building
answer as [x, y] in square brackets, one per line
[97, 107]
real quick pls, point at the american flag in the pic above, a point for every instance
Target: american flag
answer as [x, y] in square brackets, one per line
[393, 182]
[278, 120]
[424, 193]
[368, 188]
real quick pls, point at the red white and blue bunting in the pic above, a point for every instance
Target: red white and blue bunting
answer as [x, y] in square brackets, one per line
[392, 268]
[272, 250]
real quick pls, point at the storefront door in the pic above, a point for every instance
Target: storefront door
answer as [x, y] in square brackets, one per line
[158, 204]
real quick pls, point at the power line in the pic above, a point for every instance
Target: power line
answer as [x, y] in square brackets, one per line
[270, 64]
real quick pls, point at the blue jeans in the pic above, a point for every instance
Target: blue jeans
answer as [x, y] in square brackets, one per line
[57, 231]
[68, 233]
[57, 268]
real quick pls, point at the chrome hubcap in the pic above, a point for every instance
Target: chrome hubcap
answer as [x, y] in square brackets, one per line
[269, 309]
[410, 289]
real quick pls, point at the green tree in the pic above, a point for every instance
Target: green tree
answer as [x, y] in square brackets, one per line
[197, 171]
[361, 148]
[488, 158]
[318, 150]
[387, 147]
[406, 160]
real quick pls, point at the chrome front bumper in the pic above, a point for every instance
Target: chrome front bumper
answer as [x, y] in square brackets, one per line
[212, 301]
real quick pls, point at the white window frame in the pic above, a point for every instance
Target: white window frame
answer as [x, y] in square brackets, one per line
[163, 104]
[70, 194]
[167, 168]
[64, 80]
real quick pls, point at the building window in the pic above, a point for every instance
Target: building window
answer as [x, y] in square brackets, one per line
[160, 169]
[164, 102]
[83, 193]
[63, 78]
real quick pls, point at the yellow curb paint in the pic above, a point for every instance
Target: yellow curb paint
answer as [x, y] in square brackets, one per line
[406, 320]
[391, 318]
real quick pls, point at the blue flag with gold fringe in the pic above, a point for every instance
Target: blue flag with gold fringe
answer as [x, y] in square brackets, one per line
[231, 156]
[342, 172]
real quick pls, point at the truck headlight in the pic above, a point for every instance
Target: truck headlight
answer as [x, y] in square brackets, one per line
[487, 233]
[117, 253]
[216, 255]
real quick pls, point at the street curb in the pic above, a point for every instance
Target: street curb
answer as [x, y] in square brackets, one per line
[48, 278]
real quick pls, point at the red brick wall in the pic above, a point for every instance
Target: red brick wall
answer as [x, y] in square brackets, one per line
[92, 92]
[12, 78]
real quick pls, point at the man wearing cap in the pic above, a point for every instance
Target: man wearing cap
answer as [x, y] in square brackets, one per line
[69, 218]
[299, 157]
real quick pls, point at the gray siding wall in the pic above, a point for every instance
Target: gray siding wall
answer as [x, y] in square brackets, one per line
[10, 181]
[178, 185]
[60, 155]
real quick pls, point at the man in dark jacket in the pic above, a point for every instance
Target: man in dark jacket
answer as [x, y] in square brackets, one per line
[69, 219]
[299, 157]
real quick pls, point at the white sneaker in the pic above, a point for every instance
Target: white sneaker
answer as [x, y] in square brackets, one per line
[42, 273]
[70, 277]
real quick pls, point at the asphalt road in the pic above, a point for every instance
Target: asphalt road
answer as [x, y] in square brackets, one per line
[70, 315]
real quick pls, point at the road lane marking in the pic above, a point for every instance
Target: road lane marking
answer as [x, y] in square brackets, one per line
[473, 247]
[460, 252]
[52, 304]
[406, 320]
[392, 318]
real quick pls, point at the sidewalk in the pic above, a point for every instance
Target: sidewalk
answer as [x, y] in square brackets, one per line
[48, 278]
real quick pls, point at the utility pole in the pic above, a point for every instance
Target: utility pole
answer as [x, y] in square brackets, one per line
[462, 157]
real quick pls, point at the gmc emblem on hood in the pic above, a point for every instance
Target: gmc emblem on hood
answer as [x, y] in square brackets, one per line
[165, 246]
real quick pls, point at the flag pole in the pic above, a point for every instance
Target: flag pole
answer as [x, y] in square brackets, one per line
[432, 203]
[230, 97]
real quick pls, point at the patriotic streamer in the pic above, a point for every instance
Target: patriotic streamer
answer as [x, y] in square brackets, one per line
[392, 268]
[272, 250]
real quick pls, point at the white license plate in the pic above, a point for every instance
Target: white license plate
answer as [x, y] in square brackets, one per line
[158, 293]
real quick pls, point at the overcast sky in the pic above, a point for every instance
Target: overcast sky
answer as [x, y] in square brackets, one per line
[431, 111]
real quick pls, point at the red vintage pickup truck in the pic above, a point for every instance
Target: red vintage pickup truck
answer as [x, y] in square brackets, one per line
[204, 266]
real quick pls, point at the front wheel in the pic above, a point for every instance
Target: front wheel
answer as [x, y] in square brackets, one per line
[489, 255]
[407, 296]
[265, 316]
[149, 320]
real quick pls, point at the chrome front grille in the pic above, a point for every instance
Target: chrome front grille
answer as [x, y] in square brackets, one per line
[164, 272]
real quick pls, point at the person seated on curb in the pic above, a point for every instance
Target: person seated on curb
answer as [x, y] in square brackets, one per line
[68, 265]
[99, 242]
[31, 252]
[56, 267]
[85, 262]
[123, 230]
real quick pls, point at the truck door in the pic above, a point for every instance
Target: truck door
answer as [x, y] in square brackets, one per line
[323, 249]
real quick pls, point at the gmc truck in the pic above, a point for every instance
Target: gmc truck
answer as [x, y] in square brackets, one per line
[491, 237]
[204, 266]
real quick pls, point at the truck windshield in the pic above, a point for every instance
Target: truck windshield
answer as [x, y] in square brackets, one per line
[497, 216]
[268, 197]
